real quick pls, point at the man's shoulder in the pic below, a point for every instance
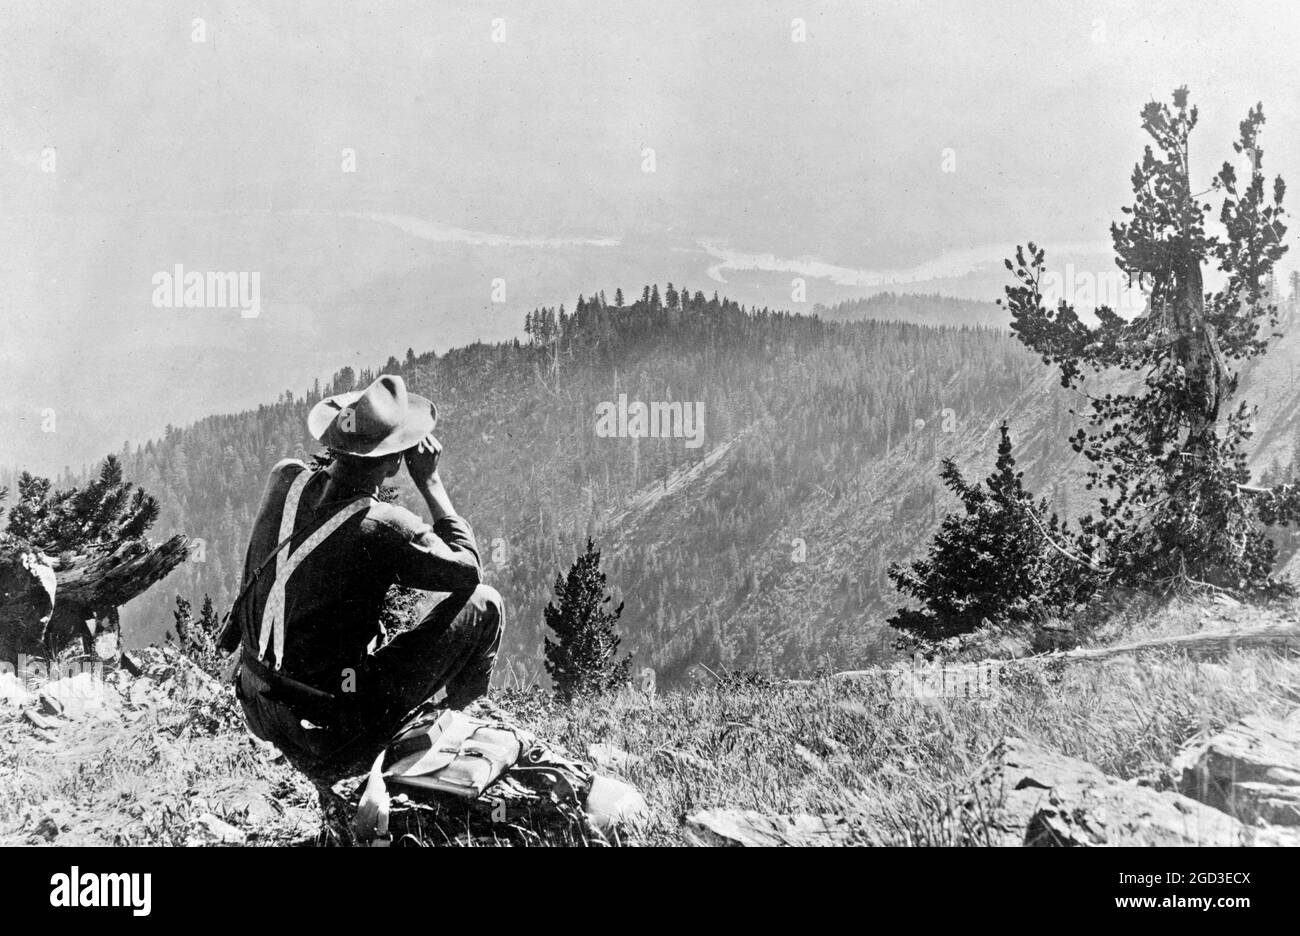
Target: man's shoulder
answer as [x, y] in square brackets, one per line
[287, 467]
[283, 472]
[396, 518]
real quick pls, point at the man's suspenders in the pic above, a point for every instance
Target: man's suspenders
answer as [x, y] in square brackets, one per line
[271, 632]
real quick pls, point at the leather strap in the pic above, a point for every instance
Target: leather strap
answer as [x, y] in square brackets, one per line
[272, 630]
[303, 700]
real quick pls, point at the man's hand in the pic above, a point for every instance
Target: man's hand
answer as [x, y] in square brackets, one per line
[422, 463]
[422, 460]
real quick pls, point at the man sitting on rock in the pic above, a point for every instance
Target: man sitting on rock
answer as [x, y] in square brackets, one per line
[323, 553]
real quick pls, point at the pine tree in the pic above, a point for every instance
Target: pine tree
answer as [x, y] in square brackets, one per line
[105, 513]
[198, 639]
[584, 655]
[182, 619]
[994, 563]
[1178, 511]
[209, 623]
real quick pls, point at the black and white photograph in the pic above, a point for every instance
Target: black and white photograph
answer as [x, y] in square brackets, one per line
[583, 424]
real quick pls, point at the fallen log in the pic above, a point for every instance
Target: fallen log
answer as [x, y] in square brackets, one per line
[1207, 645]
[110, 580]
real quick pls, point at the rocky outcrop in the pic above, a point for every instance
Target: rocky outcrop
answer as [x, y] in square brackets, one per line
[1250, 770]
[151, 751]
[1028, 795]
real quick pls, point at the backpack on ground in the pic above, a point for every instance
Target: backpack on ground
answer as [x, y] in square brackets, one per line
[454, 777]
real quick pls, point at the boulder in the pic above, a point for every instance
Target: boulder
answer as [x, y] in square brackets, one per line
[746, 828]
[613, 806]
[42, 722]
[1250, 770]
[13, 692]
[47, 821]
[141, 693]
[207, 829]
[84, 695]
[1028, 795]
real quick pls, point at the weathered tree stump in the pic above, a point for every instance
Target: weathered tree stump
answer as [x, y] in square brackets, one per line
[45, 601]
[28, 585]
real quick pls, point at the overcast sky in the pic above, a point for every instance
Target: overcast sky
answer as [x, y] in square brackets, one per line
[524, 160]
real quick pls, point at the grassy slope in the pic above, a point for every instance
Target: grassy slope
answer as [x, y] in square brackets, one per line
[895, 763]
[891, 763]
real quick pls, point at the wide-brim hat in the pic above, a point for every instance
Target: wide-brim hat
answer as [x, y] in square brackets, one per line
[374, 422]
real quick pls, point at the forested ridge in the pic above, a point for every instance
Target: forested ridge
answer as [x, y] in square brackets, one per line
[770, 554]
[919, 309]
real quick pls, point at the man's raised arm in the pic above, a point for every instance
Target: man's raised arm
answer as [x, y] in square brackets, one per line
[443, 557]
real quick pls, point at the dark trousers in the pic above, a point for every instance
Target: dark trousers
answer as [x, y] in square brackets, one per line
[453, 648]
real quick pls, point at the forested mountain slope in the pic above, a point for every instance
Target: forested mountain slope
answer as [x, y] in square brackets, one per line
[764, 546]
[919, 309]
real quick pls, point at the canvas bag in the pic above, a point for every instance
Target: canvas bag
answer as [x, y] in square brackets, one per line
[457, 754]
[457, 757]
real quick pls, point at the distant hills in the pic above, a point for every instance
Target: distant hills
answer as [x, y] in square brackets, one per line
[765, 547]
[918, 309]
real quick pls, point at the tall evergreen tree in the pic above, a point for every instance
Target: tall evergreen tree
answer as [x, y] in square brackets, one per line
[583, 657]
[1178, 509]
